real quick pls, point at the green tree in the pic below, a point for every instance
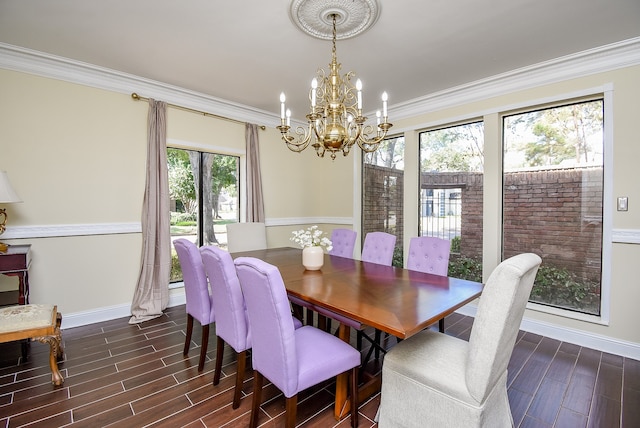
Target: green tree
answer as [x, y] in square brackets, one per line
[219, 172]
[555, 135]
[181, 184]
[551, 147]
[390, 154]
[457, 148]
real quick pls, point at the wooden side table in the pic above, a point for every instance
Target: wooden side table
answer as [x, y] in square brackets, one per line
[15, 262]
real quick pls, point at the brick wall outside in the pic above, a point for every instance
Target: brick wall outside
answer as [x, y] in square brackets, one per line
[554, 213]
[382, 208]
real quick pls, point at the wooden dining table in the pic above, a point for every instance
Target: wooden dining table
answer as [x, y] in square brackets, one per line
[398, 301]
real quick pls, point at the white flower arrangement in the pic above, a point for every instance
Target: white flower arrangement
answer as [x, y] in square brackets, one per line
[312, 237]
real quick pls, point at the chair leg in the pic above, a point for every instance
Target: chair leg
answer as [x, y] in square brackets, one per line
[203, 348]
[291, 407]
[255, 403]
[377, 339]
[219, 354]
[354, 397]
[187, 340]
[242, 364]
[441, 325]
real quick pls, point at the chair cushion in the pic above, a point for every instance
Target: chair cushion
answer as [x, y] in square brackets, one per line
[315, 367]
[25, 317]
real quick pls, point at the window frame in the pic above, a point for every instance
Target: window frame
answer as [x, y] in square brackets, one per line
[605, 94]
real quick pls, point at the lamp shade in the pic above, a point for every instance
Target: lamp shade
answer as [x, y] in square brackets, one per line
[7, 194]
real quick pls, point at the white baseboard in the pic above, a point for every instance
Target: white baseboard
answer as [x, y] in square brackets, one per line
[108, 313]
[569, 335]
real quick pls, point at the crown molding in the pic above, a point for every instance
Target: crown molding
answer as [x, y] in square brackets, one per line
[24, 60]
[606, 58]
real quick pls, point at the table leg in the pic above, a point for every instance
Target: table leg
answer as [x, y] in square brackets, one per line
[342, 405]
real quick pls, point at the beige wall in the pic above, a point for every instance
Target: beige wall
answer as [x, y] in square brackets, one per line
[76, 155]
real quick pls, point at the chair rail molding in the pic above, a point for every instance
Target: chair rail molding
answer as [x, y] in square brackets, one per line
[625, 236]
[64, 230]
[294, 221]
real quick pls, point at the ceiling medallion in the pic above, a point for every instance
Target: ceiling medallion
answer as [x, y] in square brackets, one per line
[353, 17]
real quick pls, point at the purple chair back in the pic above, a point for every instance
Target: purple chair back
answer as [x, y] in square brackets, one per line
[429, 254]
[269, 313]
[343, 241]
[228, 301]
[378, 248]
[199, 302]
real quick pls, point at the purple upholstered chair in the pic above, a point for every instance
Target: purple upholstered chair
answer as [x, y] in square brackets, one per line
[232, 325]
[378, 248]
[293, 360]
[343, 241]
[199, 300]
[429, 254]
[231, 315]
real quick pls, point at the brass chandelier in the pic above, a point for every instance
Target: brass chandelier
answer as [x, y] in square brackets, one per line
[335, 122]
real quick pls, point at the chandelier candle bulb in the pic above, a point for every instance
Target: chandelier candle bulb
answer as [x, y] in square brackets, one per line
[384, 105]
[314, 85]
[359, 88]
[282, 100]
[288, 117]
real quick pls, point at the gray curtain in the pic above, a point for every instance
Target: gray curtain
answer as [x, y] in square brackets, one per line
[255, 201]
[152, 292]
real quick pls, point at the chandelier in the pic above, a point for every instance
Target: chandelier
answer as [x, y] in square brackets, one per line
[335, 121]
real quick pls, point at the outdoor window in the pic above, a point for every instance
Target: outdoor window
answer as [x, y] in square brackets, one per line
[553, 200]
[451, 189]
[201, 215]
[382, 192]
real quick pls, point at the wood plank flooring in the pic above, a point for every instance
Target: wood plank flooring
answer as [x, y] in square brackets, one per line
[122, 375]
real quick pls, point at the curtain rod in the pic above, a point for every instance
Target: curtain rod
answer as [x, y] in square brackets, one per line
[137, 97]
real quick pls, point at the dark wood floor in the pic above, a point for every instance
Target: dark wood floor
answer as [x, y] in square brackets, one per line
[135, 375]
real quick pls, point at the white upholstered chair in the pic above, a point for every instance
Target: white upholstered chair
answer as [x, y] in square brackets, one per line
[246, 237]
[435, 380]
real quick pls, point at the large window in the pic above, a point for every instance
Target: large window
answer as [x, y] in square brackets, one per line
[553, 200]
[203, 189]
[382, 192]
[451, 189]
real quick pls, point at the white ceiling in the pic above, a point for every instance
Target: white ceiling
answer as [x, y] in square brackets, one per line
[248, 52]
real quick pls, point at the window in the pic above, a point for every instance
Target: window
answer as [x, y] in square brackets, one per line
[382, 192]
[451, 190]
[553, 200]
[201, 216]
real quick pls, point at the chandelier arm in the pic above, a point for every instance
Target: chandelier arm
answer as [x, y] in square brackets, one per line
[304, 138]
[370, 145]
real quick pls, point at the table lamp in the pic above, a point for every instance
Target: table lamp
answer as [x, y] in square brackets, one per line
[7, 195]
